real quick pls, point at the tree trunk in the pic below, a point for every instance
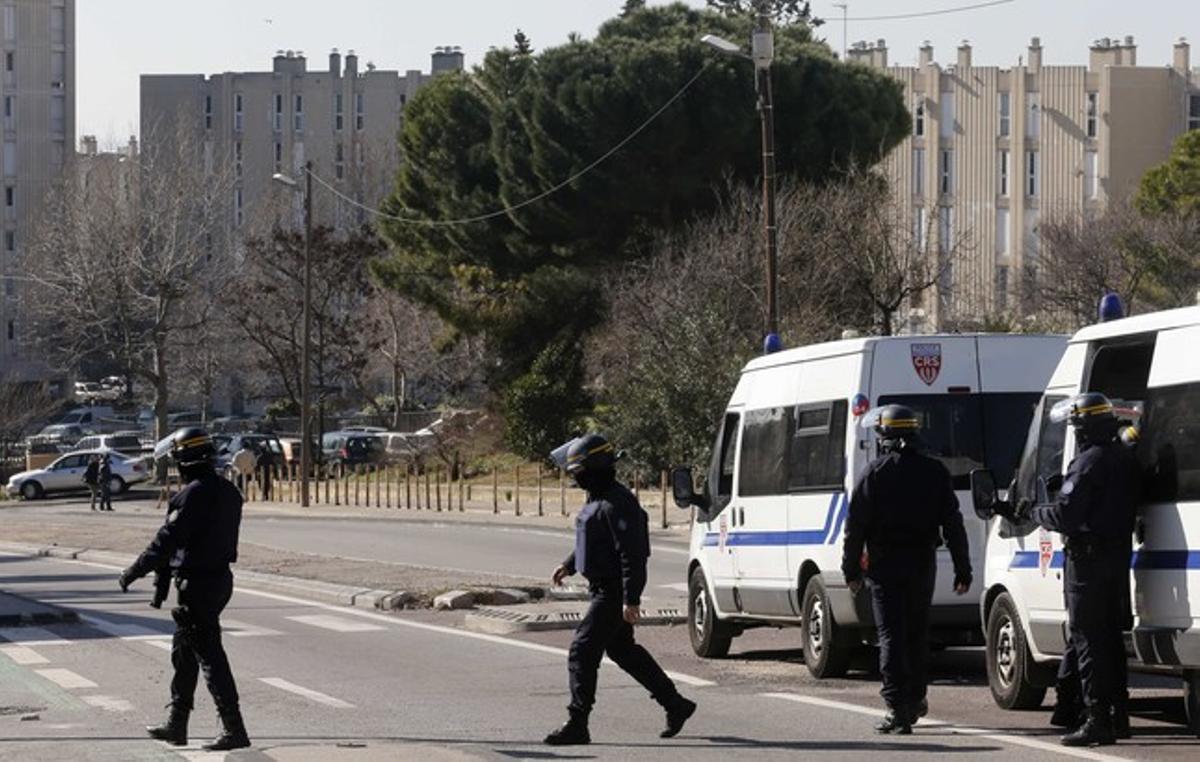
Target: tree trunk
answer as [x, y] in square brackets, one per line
[161, 398]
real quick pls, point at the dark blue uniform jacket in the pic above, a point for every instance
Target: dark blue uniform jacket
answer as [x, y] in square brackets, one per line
[612, 541]
[1098, 496]
[200, 534]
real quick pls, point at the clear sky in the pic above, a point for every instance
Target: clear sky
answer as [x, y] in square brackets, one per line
[119, 39]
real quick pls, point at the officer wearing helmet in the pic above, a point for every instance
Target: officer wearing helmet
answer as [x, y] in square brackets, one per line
[612, 544]
[198, 542]
[902, 506]
[1095, 512]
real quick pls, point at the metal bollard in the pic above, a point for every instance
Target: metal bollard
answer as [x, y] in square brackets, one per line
[539, 492]
[517, 489]
[437, 484]
[665, 523]
[495, 491]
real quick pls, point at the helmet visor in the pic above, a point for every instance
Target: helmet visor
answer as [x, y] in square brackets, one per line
[559, 454]
[1062, 410]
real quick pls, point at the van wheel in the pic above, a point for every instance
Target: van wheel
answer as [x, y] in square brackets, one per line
[826, 652]
[1012, 674]
[31, 490]
[1191, 700]
[710, 637]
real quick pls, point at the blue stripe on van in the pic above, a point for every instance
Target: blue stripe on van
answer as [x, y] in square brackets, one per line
[841, 519]
[1146, 559]
[775, 539]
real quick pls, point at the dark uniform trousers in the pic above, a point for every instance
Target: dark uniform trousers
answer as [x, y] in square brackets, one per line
[1096, 617]
[197, 645]
[604, 630]
[901, 595]
[1067, 686]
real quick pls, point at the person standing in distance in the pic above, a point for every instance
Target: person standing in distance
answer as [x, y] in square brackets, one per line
[1095, 512]
[105, 481]
[612, 544]
[199, 541]
[903, 505]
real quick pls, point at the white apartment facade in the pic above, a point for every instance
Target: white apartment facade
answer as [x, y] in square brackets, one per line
[994, 150]
[37, 101]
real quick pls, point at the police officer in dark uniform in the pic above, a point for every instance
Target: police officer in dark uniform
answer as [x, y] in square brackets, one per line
[1095, 513]
[612, 543]
[902, 506]
[199, 541]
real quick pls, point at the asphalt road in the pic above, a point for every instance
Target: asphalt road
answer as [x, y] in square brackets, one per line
[488, 548]
[415, 686]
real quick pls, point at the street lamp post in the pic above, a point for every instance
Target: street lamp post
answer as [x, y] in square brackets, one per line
[306, 336]
[762, 53]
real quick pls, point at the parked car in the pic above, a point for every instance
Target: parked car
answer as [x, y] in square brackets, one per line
[90, 417]
[66, 474]
[262, 444]
[352, 448]
[291, 449]
[401, 446]
[365, 429]
[87, 391]
[127, 442]
[57, 437]
[232, 423]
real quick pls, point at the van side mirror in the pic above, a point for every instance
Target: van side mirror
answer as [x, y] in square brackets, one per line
[985, 496]
[682, 489]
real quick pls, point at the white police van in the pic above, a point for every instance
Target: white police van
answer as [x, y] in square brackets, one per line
[766, 539]
[1147, 366]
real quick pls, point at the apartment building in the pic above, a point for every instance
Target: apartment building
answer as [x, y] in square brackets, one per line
[342, 118]
[995, 150]
[37, 95]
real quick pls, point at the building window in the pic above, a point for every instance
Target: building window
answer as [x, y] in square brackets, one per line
[337, 112]
[237, 158]
[1194, 111]
[945, 229]
[1002, 232]
[359, 111]
[298, 113]
[10, 241]
[58, 70]
[918, 171]
[946, 172]
[10, 197]
[919, 229]
[58, 25]
[1031, 174]
[919, 117]
[208, 112]
[10, 287]
[339, 168]
[1001, 288]
[58, 119]
[10, 158]
[1091, 180]
[1005, 160]
[277, 117]
[10, 63]
[237, 206]
[9, 112]
[12, 330]
[10, 22]
[946, 123]
[1033, 116]
[278, 156]
[1092, 113]
[237, 112]
[1005, 114]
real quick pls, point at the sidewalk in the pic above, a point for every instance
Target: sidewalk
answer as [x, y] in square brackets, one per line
[17, 611]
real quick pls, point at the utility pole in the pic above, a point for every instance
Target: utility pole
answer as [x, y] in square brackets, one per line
[306, 351]
[762, 53]
[845, 26]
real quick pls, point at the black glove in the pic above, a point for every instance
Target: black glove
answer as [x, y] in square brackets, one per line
[963, 579]
[126, 579]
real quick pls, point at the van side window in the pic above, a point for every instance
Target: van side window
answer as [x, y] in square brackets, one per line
[718, 486]
[818, 448]
[764, 452]
[1121, 371]
[1169, 448]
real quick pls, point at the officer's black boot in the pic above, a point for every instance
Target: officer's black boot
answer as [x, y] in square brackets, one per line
[174, 730]
[573, 733]
[898, 720]
[1068, 715]
[920, 710]
[1120, 720]
[677, 715]
[233, 733]
[1096, 730]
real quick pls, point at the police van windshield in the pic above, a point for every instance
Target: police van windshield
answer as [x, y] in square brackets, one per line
[970, 431]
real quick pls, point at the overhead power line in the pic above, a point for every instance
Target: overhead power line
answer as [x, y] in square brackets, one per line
[532, 200]
[925, 14]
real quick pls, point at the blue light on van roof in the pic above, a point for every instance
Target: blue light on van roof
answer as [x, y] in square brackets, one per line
[772, 344]
[1111, 307]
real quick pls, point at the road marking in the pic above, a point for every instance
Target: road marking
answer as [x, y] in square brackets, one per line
[679, 677]
[65, 678]
[108, 703]
[1006, 738]
[198, 755]
[23, 655]
[30, 635]
[307, 693]
[681, 587]
[337, 624]
[163, 644]
[235, 629]
[123, 631]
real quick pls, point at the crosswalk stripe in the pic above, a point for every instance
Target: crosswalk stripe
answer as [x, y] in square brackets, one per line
[235, 629]
[23, 655]
[308, 693]
[163, 644]
[108, 703]
[65, 678]
[29, 635]
[118, 630]
[335, 623]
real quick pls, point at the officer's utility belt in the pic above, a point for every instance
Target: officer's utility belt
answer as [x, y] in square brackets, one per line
[1088, 546]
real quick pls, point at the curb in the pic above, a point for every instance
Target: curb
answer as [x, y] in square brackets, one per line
[503, 621]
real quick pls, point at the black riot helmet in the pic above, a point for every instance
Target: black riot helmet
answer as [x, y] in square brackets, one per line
[590, 453]
[897, 424]
[192, 447]
[1092, 416]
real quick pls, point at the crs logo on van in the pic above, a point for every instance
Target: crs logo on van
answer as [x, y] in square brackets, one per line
[927, 361]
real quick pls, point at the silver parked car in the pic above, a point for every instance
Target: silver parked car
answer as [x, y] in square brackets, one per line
[66, 474]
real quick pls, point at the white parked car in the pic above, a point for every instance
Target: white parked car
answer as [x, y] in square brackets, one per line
[66, 474]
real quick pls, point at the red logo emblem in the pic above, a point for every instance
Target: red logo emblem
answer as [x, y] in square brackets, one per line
[927, 361]
[1045, 551]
